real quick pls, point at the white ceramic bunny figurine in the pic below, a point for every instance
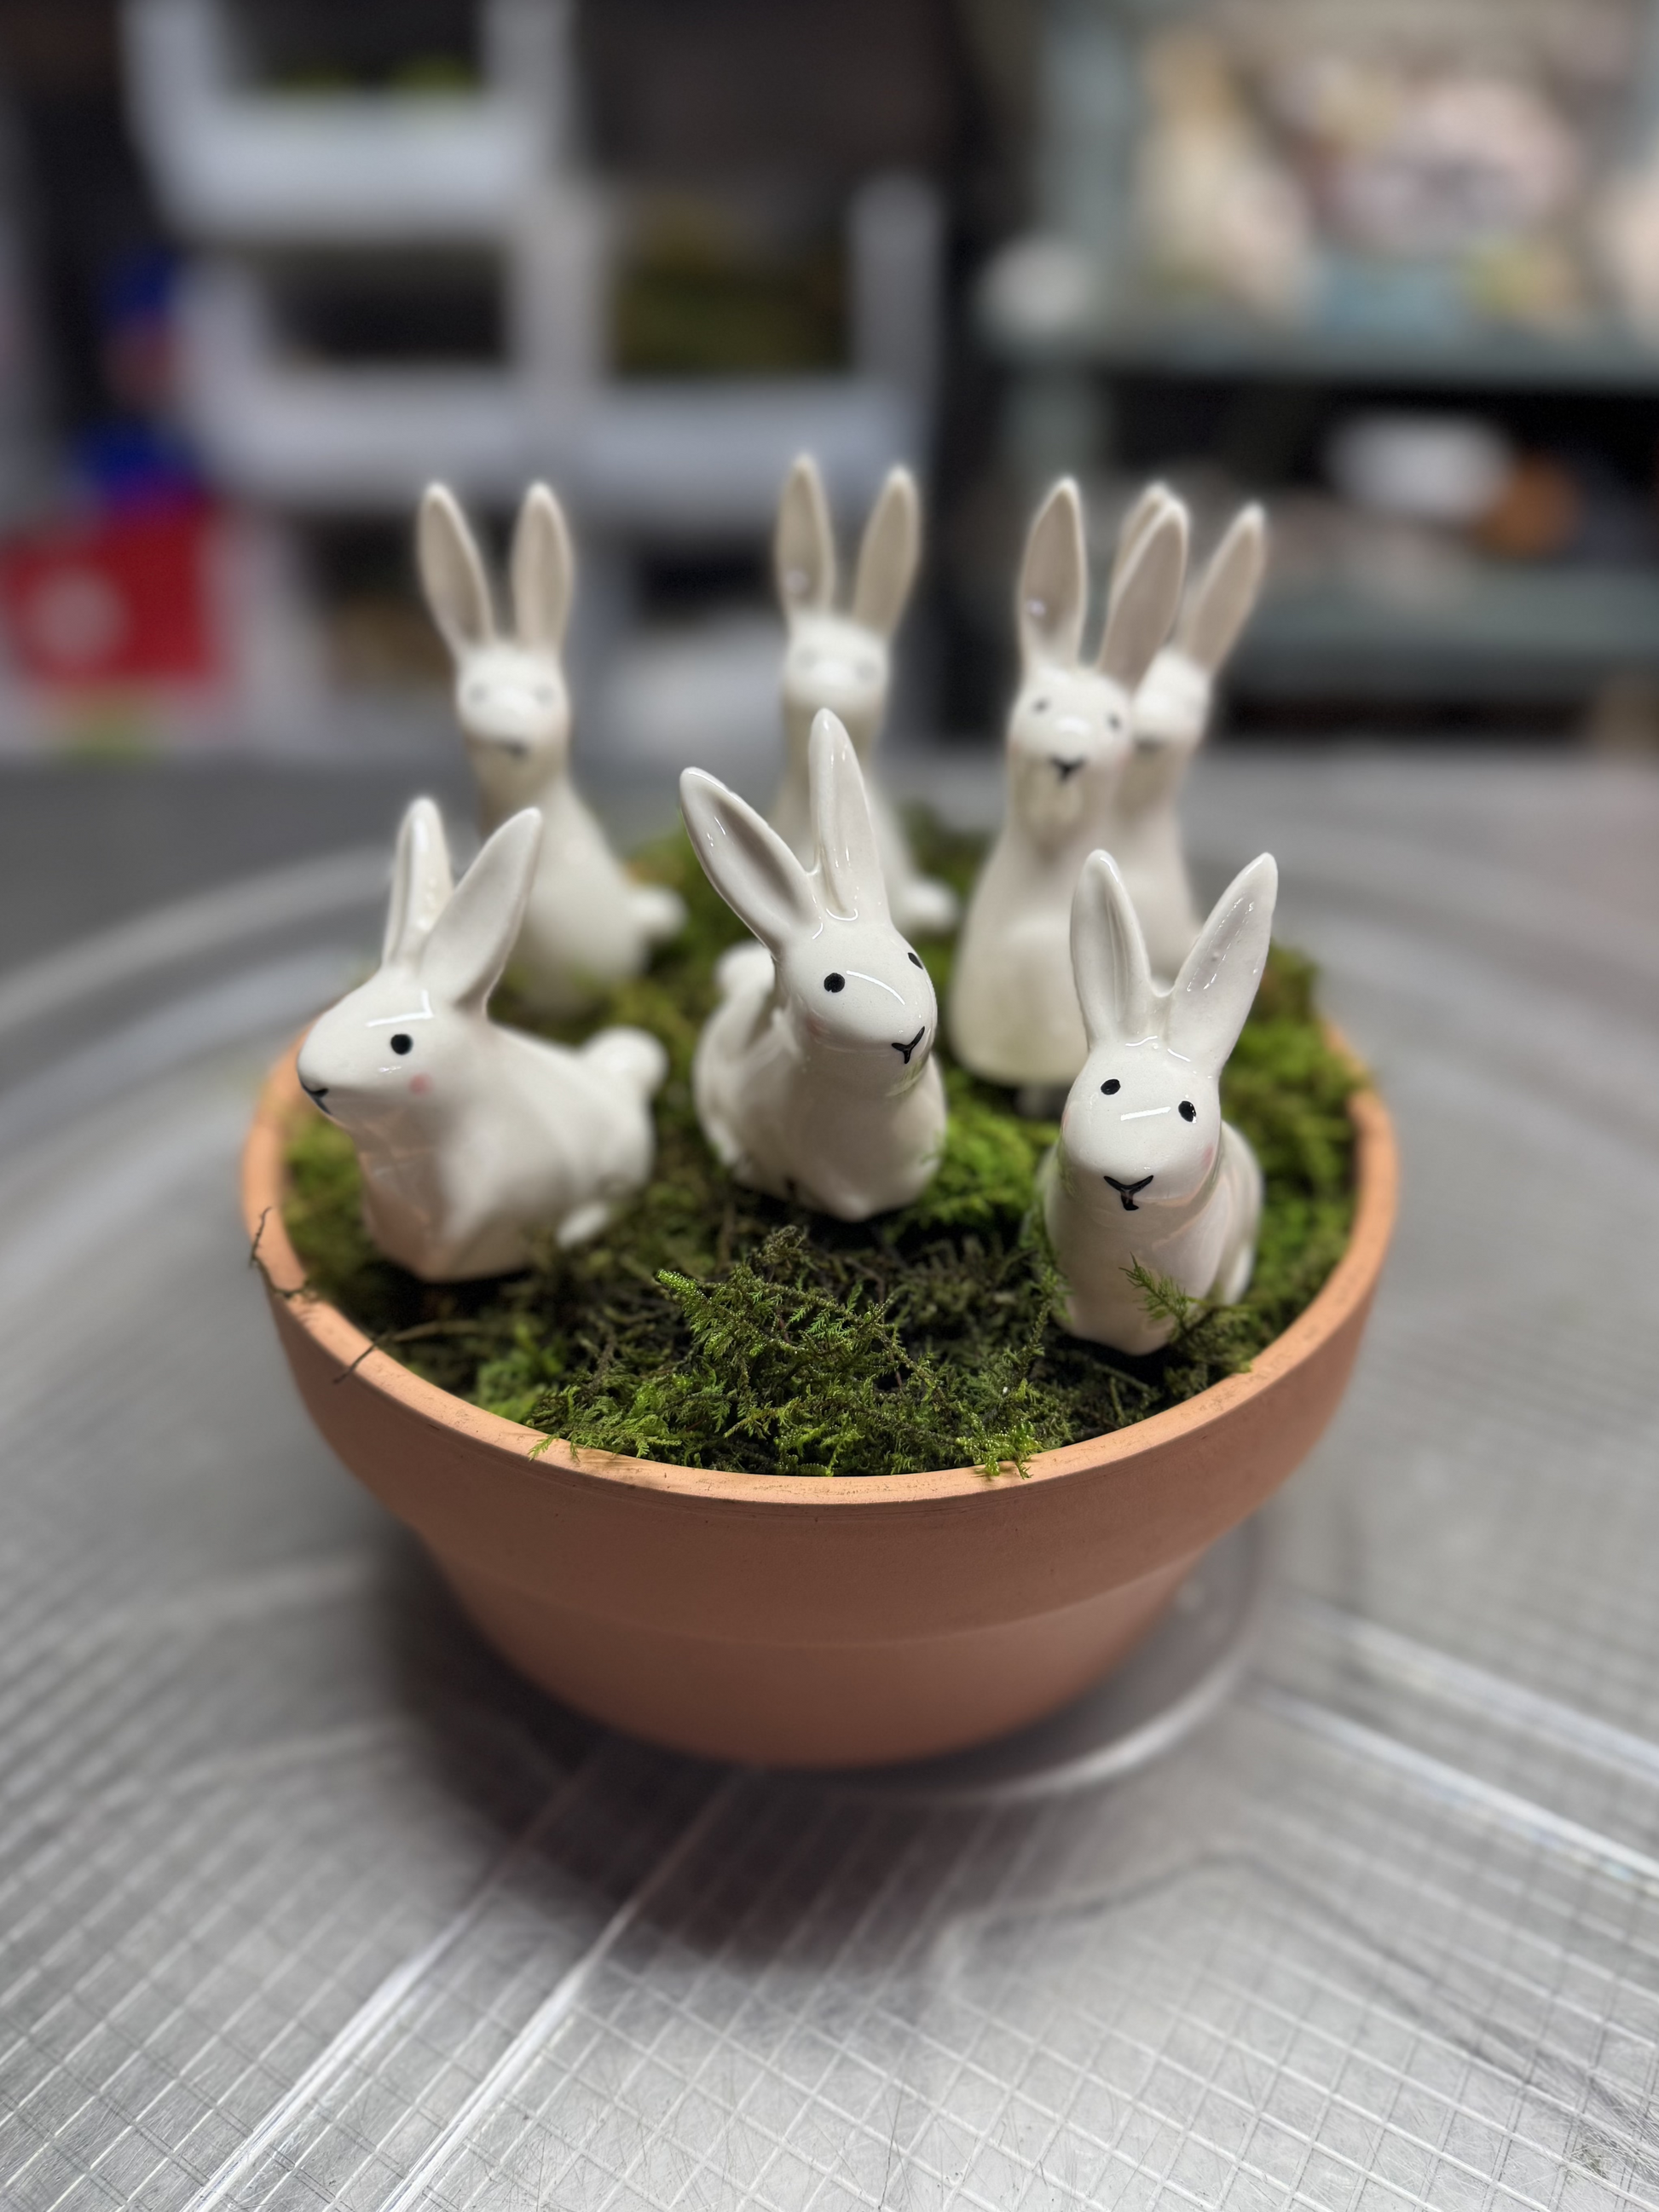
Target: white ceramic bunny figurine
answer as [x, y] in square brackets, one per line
[472, 1138]
[588, 925]
[1171, 713]
[814, 1077]
[1145, 1169]
[844, 662]
[1013, 1010]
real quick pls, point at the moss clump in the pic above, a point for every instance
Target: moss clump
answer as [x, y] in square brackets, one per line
[717, 1329]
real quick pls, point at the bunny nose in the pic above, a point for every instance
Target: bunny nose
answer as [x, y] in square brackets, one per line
[1127, 1191]
[907, 1049]
[316, 1092]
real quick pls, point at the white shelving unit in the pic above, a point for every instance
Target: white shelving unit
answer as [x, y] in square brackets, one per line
[244, 172]
[235, 166]
[260, 182]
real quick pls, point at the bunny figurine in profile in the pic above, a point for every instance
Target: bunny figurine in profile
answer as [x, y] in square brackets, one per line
[1171, 713]
[843, 662]
[814, 1077]
[472, 1137]
[1146, 1170]
[1013, 1008]
[588, 925]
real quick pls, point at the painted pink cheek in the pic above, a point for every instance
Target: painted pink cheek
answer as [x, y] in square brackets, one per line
[420, 1085]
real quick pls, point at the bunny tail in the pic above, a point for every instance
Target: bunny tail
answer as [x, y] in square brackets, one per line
[630, 1058]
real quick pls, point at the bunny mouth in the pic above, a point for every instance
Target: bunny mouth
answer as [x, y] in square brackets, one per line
[1066, 768]
[316, 1092]
[907, 1049]
[1125, 1191]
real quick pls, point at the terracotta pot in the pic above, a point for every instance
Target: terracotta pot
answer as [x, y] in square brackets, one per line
[797, 1621]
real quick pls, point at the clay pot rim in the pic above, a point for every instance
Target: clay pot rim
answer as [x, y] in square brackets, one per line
[1348, 1286]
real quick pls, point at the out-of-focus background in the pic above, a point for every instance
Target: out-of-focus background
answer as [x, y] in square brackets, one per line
[303, 1900]
[268, 266]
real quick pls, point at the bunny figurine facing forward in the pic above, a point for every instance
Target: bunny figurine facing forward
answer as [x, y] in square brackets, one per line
[1014, 1014]
[814, 1077]
[472, 1138]
[843, 662]
[1171, 713]
[1146, 1170]
[588, 925]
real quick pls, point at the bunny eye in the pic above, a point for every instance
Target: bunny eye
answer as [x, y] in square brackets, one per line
[1039, 706]
[402, 1042]
[1187, 1110]
[915, 959]
[1110, 1086]
[1115, 721]
[835, 981]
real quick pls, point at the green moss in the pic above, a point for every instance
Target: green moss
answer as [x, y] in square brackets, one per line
[717, 1329]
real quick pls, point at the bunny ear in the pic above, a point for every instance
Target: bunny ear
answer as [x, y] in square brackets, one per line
[452, 575]
[747, 862]
[1212, 994]
[1110, 966]
[421, 884]
[1142, 608]
[1220, 604]
[470, 939]
[887, 554]
[1135, 524]
[543, 571]
[803, 546]
[848, 855]
[1054, 579]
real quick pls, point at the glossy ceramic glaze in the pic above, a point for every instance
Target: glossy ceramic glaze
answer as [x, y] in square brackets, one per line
[1145, 1169]
[797, 1622]
[472, 1138]
[841, 659]
[587, 925]
[814, 1077]
[1013, 1011]
[1171, 713]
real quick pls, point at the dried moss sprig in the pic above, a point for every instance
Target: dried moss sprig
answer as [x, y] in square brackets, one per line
[713, 1327]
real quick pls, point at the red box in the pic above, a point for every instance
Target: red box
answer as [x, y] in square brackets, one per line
[120, 600]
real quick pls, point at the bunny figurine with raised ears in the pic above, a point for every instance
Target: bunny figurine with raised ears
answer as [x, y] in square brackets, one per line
[474, 1139]
[1146, 1170]
[814, 1077]
[588, 925]
[1171, 713]
[843, 662]
[1013, 1010]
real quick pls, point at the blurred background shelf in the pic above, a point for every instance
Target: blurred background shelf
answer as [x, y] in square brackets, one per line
[272, 264]
[1606, 360]
[240, 156]
[1498, 633]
